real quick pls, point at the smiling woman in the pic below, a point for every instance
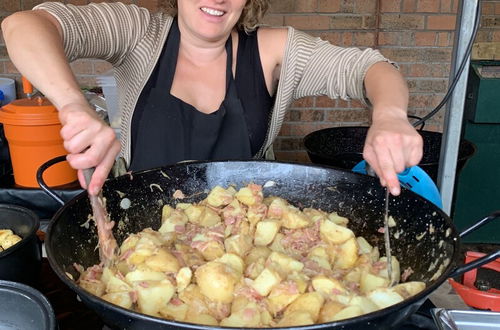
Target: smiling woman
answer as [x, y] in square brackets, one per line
[202, 81]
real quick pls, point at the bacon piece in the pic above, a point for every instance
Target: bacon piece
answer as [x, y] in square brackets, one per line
[178, 194]
[406, 273]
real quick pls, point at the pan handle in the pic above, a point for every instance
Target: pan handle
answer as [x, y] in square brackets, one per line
[480, 223]
[41, 182]
[475, 264]
[481, 261]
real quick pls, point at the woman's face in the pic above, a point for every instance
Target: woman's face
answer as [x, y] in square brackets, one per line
[209, 20]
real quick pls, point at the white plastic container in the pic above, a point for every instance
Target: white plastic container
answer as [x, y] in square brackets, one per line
[108, 84]
[8, 87]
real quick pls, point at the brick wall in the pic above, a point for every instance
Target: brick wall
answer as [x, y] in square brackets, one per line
[417, 34]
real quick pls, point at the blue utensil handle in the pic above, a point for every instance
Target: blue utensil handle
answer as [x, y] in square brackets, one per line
[415, 179]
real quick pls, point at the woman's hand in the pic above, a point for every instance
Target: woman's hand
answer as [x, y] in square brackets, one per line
[392, 144]
[89, 141]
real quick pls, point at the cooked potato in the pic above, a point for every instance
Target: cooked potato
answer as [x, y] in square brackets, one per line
[333, 233]
[285, 264]
[327, 286]
[202, 216]
[8, 239]
[281, 296]
[248, 316]
[250, 195]
[175, 312]
[247, 262]
[183, 278]
[337, 219]
[293, 218]
[234, 261]
[384, 297]
[238, 244]
[328, 311]
[266, 231]
[369, 282]
[121, 299]
[153, 295]
[409, 289]
[310, 302]
[296, 318]
[347, 254]
[266, 280]
[347, 313]
[219, 196]
[163, 261]
[216, 281]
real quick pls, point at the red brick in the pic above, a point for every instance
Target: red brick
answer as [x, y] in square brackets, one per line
[388, 38]
[425, 38]
[495, 36]
[488, 8]
[333, 37]
[308, 22]
[77, 2]
[29, 4]
[274, 20]
[346, 22]
[347, 39]
[441, 22]
[364, 39]
[390, 6]
[292, 156]
[348, 115]
[149, 4]
[497, 8]
[402, 22]
[444, 39]
[409, 6]
[304, 102]
[10, 5]
[282, 6]
[305, 6]
[330, 6]
[428, 6]
[446, 6]
[365, 6]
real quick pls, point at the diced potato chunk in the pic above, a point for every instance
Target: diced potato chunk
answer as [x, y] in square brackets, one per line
[286, 264]
[293, 218]
[219, 196]
[151, 298]
[310, 302]
[409, 289]
[121, 299]
[183, 278]
[176, 312]
[238, 244]
[327, 286]
[216, 281]
[384, 297]
[250, 195]
[205, 319]
[370, 282]
[328, 311]
[333, 233]
[266, 281]
[266, 231]
[163, 261]
[337, 219]
[348, 312]
[296, 318]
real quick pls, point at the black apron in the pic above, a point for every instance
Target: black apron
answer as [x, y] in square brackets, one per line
[186, 133]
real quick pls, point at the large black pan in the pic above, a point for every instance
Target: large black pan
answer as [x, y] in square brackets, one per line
[135, 200]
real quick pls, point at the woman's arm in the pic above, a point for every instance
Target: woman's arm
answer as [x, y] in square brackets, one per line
[392, 144]
[35, 46]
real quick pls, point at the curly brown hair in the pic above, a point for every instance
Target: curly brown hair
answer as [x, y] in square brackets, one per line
[251, 16]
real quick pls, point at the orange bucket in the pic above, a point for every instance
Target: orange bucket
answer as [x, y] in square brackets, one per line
[32, 129]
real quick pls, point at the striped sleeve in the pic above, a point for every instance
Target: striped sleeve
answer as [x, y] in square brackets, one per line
[107, 31]
[337, 72]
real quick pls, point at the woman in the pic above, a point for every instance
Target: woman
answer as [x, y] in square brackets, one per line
[196, 86]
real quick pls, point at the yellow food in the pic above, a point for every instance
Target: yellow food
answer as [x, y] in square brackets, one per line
[8, 239]
[241, 260]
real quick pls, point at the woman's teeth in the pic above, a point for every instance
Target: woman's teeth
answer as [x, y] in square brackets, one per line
[212, 11]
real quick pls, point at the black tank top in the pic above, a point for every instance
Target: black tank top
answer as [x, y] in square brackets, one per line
[250, 89]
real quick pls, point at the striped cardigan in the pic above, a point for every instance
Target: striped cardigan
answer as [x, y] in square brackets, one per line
[131, 39]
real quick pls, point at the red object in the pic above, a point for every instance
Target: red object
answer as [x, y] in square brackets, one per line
[470, 294]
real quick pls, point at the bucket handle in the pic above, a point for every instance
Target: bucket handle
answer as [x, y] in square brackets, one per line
[41, 182]
[481, 261]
